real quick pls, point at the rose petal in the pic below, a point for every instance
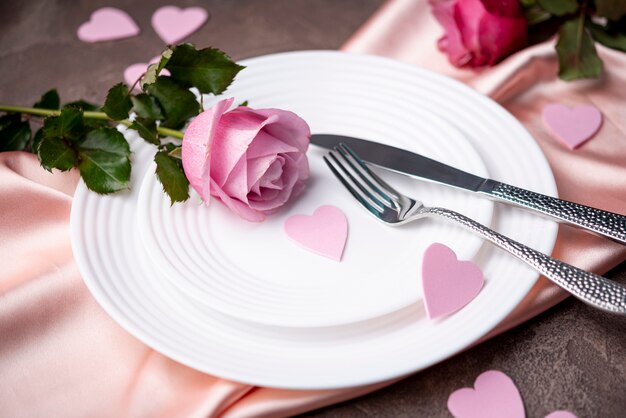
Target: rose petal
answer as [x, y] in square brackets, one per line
[287, 126]
[235, 205]
[237, 130]
[196, 147]
[467, 15]
[289, 177]
[452, 41]
[243, 127]
[236, 185]
[500, 36]
[298, 188]
[266, 195]
[510, 8]
[267, 170]
[256, 169]
[266, 144]
[273, 178]
[302, 163]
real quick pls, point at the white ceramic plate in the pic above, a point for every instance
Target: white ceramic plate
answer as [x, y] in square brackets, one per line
[132, 289]
[252, 271]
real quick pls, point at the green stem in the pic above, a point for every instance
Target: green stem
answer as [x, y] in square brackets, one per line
[28, 110]
[170, 132]
[89, 115]
[580, 33]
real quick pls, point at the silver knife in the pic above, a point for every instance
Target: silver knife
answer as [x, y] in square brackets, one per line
[608, 224]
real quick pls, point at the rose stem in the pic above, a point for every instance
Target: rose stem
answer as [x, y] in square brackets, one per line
[89, 115]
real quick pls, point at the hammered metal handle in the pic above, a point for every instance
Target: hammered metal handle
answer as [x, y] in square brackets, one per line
[588, 287]
[609, 224]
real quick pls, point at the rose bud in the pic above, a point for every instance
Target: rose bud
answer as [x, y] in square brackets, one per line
[480, 32]
[252, 160]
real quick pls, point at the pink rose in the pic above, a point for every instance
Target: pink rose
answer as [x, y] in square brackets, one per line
[480, 32]
[251, 160]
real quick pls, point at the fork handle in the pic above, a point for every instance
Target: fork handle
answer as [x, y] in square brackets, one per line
[588, 287]
[609, 224]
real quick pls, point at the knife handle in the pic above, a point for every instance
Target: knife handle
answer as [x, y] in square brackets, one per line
[608, 224]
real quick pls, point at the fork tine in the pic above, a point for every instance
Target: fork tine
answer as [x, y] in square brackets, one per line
[371, 177]
[364, 178]
[348, 181]
[357, 180]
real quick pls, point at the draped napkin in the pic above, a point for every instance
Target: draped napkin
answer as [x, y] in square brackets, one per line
[61, 355]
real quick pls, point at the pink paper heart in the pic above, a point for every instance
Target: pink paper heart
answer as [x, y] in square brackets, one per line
[107, 24]
[561, 414]
[324, 233]
[134, 71]
[572, 126]
[173, 24]
[448, 284]
[494, 396]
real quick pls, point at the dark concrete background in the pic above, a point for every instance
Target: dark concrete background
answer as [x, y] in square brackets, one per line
[571, 357]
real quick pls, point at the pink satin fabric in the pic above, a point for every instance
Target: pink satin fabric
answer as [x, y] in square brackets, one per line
[61, 355]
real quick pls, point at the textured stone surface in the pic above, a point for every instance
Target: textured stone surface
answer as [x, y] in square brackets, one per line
[571, 357]
[39, 47]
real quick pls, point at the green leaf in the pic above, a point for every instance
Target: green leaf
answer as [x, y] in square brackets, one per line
[56, 152]
[147, 129]
[49, 100]
[611, 9]
[244, 103]
[83, 105]
[559, 7]
[14, 132]
[87, 107]
[535, 15]
[68, 125]
[9, 119]
[146, 106]
[104, 161]
[178, 103]
[615, 40]
[577, 53]
[150, 76]
[154, 70]
[171, 175]
[209, 70]
[176, 153]
[37, 138]
[95, 123]
[165, 57]
[55, 143]
[117, 104]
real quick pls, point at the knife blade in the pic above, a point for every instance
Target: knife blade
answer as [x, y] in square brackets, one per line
[404, 162]
[608, 224]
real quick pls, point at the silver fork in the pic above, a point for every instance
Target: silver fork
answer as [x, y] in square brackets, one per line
[393, 208]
